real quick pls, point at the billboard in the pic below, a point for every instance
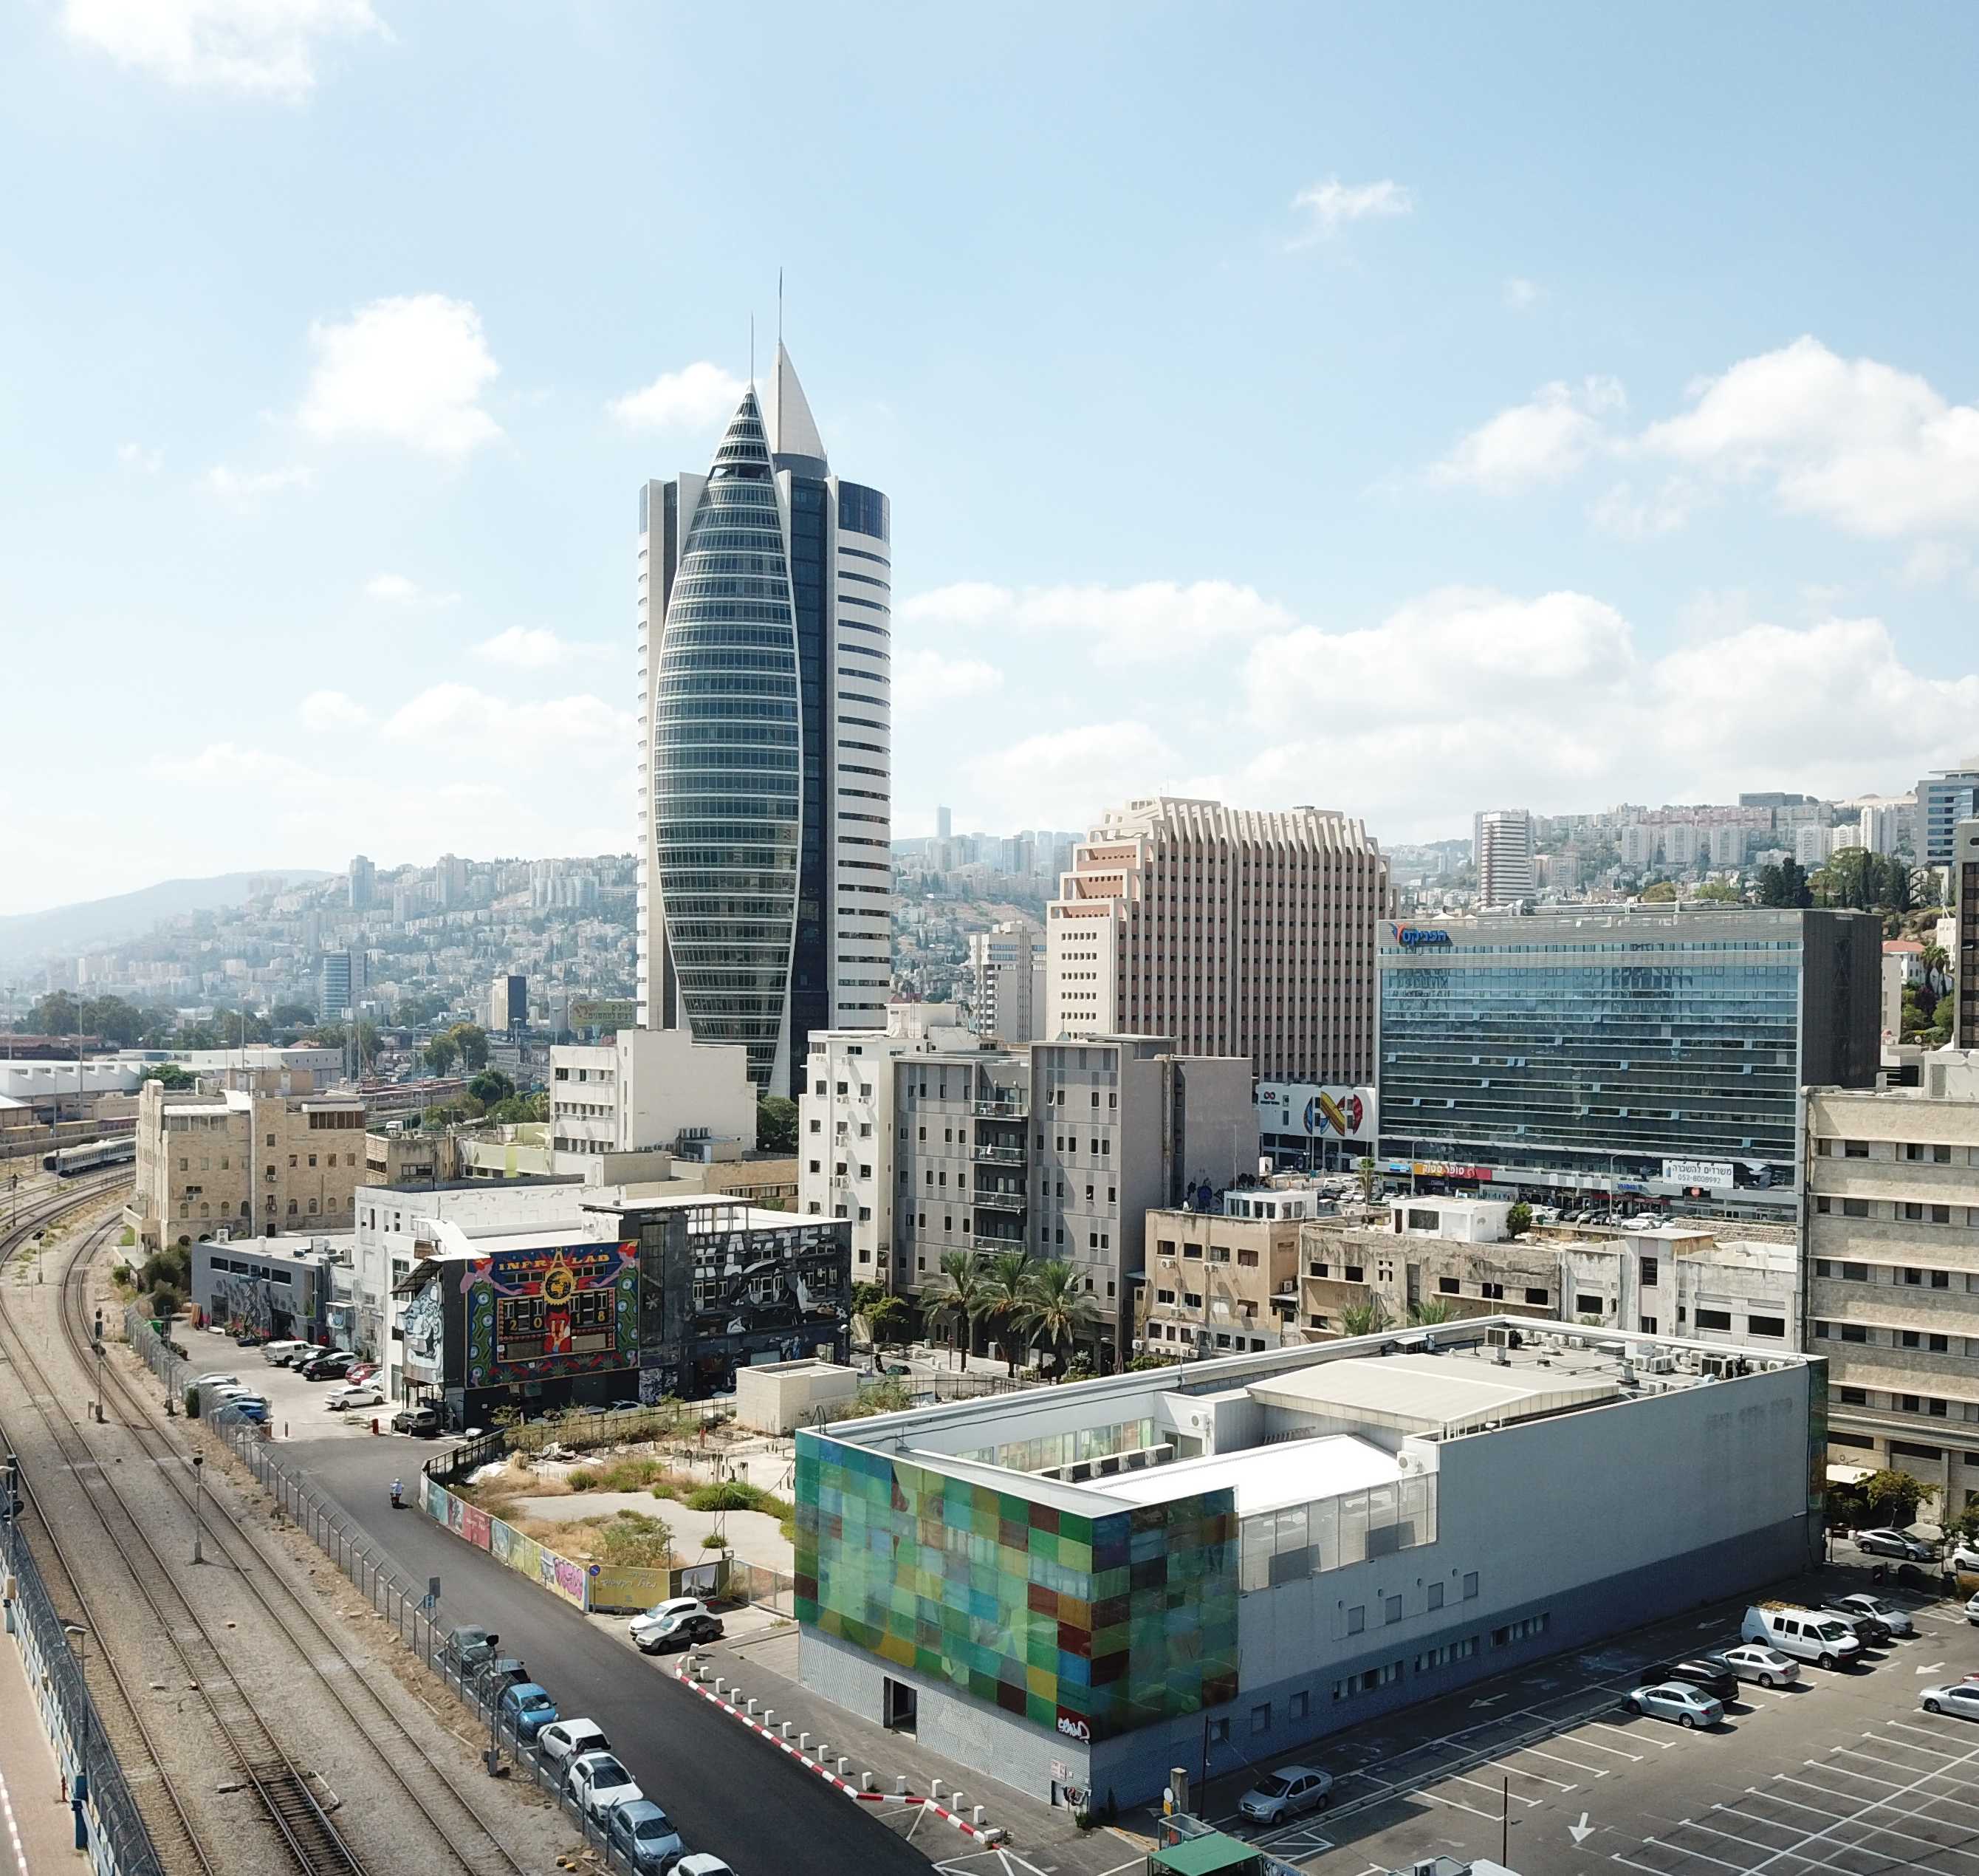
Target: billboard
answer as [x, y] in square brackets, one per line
[1699, 1172]
[554, 1310]
[1316, 1111]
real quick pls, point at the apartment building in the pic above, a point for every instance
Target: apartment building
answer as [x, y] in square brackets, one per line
[1237, 933]
[1218, 1283]
[1964, 945]
[254, 1152]
[1007, 963]
[1501, 842]
[1061, 1151]
[646, 1090]
[1890, 1248]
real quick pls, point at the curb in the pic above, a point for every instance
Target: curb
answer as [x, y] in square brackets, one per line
[986, 1833]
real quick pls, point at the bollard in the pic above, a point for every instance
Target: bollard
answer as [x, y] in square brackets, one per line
[843, 1763]
[803, 1742]
[934, 1790]
[976, 1817]
[865, 1782]
[900, 1786]
[718, 1683]
[749, 1707]
[785, 1729]
[769, 1716]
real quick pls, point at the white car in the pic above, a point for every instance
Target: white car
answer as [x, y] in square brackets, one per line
[567, 1741]
[1674, 1700]
[1959, 1697]
[1286, 1793]
[663, 1616]
[1972, 1611]
[1751, 1661]
[1896, 1620]
[357, 1394]
[598, 1781]
[701, 1864]
[280, 1354]
[215, 1380]
[1963, 1556]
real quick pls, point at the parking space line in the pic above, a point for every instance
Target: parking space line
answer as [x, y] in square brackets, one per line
[1596, 1746]
[1684, 1850]
[1517, 1797]
[1885, 1830]
[1787, 1778]
[1826, 1832]
[1538, 1778]
[1490, 1816]
[1923, 1732]
[1598, 1772]
[1948, 1797]
[1799, 1855]
[1625, 1733]
[1849, 1771]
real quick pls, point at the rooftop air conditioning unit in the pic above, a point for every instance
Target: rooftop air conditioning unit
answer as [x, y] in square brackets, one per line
[1659, 1364]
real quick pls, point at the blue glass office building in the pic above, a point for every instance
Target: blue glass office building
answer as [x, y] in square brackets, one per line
[1645, 1055]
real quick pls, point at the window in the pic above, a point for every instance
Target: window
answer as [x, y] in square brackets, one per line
[1354, 1273]
[1357, 1619]
[1854, 1149]
[1538, 1295]
[1589, 1306]
[1435, 1595]
[1492, 1292]
[1470, 1586]
[1855, 1208]
[1714, 1319]
[1646, 1325]
[1219, 1732]
[1853, 1331]
[1260, 1716]
[1448, 1285]
[1522, 1630]
[1296, 1707]
[1649, 1272]
[1392, 1609]
[1855, 1397]
[1854, 1272]
[1766, 1325]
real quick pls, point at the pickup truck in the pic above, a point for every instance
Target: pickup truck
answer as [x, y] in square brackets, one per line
[422, 1422]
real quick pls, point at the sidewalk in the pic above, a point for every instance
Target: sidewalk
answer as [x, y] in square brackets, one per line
[764, 1668]
[37, 1828]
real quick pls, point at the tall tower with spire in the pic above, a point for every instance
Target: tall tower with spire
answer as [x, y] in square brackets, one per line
[765, 775]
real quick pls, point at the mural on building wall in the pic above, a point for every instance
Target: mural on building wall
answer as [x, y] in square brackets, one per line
[242, 1302]
[422, 1326]
[758, 1294]
[557, 1310]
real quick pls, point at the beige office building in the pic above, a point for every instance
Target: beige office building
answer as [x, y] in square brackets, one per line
[1238, 933]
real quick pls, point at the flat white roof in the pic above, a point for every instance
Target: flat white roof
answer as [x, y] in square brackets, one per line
[1266, 1478]
[1445, 1394]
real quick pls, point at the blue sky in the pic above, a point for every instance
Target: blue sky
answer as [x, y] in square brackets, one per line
[1407, 411]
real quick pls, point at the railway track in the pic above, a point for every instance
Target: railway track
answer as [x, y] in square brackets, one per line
[464, 1840]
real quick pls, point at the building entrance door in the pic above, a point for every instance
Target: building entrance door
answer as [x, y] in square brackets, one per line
[897, 1705]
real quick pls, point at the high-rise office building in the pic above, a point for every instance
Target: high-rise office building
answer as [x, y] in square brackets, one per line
[1943, 800]
[340, 983]
[1236, 932]
[944, 824]
[1502, 845]
[363, 884]
[509, 1003]
[1964, 948]
[766, 868]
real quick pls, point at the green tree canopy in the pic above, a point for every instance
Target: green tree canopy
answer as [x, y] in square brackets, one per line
[957, 1299]
[470, 1042]
[1007, 1289]
[58, 1014]
[440, 1053]
[1783, 883]
[491, 1087]
[776, 1124]
[171, 1074]
[1057, 1308]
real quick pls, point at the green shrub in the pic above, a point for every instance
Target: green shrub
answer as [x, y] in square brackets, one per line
[582, 1479]
[632, 1539]
[710, 1541]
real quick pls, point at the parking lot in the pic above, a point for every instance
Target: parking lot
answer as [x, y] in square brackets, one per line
[1843, 1773]
[295, 1409]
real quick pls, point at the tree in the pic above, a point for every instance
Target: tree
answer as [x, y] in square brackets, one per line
[1057, 1310]
[1429, 1311]
[1369, 1180]
[171, 1074]
[776, 1124]
[1784, 884]
[58, 1014]
[1659, 892]
[1892, 1498]
[112, 1019]
[291, 1015]
[1364, 1319]
[490, 1087]
[470, 1042]
[888, 1320]
[1519, 1220]
[961, 1302]
[441, 1054]
[1005, 1290]
[1718, 893]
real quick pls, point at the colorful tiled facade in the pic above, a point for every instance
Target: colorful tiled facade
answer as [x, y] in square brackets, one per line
[1088, 1626]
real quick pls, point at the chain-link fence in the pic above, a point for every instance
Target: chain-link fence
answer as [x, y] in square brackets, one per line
[119, 1845]
[406, 1606]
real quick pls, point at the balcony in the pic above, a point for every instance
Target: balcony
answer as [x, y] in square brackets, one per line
[984, 1240]
[1001, 1110]
[999, 1155]
[999, 1201]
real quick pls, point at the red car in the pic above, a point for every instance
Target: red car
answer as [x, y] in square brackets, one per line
[364, 1371]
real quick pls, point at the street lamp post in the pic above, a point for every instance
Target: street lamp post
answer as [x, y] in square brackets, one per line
[198, 1505]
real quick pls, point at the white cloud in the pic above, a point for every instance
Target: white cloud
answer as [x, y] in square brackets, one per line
[694, 397]
[257, 46]
[409, 370]
[246, 487]
[396, 589]
[525, 648]
[1542, 441]
[135, 455]
[1932, 563]
[1154, 620]
[923, 679]
[1519, 294]
[1064, 778]
[1871, 449]
[1628, 515]
[332, 709]
[584, 730]
[1327, 205]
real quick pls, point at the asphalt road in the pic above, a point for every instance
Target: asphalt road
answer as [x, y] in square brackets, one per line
[727, 1791]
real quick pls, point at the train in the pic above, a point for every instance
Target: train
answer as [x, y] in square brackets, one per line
[91, 1156]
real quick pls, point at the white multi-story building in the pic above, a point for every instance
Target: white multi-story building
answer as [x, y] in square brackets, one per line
[1234, 932]
[765, 762]
[646, 1089]
[1638, 844]
[1501, 843]
[1007, 964]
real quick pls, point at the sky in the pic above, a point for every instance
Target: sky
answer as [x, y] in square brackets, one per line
[1401, 410]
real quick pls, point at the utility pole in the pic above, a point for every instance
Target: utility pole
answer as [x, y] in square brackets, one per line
[198, 1505]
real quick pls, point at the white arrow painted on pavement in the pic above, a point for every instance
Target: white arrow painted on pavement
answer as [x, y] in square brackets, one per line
[1496, 1698]
[1580, 1832]
[1933, 1668]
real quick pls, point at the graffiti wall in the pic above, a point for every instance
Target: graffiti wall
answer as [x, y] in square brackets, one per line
[555, 1311]
[559, 1575]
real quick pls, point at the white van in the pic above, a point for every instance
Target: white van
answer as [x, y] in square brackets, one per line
[280, 1354]
[1807, 1634]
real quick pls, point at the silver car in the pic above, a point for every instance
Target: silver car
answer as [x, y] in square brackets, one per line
[1959, 1697]
[1896, 1620]
[1289, 1792]
[1752, 1661]
[1673, 1700]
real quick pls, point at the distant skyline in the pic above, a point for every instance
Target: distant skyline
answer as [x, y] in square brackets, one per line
[1407, 416]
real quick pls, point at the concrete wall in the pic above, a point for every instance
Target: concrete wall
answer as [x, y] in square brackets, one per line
[778, 1397]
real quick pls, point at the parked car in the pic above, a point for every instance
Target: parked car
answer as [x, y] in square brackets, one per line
[1972, 1610]
[1674, 1701]
[1751, 1661]
[1706, 1672]
[688, 1631]
[422, 1422]
[1802, 1633]
[565, 1741]
[662, 1617]
[1883, 1542]
[528, 1707]
[1894, 1621]
[1874, 1632]
[363, 1371]
[1959, 1697]
[496, 1674]
[215, 1380]
[329, 1367]
[599, 1783]
[701, 1864]
[1287, 1793]
[280, 1354]
[645, 1836]
[466, 1647]
[358, 1394]
[1963, 1556]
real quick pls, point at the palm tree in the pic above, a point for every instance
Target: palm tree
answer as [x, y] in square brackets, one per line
[1935, 963]
[1429, 1311]
[961, 1303]
[1005, 1289]
[1058, 1310]
[1364, 1319]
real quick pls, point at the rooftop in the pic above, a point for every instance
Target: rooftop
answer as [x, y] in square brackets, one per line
[1265, 1479]
[1437, 1394]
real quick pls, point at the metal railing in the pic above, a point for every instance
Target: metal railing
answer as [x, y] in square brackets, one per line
[1002, 1156]
[406, 1606]
[119, 1844]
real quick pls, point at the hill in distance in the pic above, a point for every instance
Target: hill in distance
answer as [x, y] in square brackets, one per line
[64, 929]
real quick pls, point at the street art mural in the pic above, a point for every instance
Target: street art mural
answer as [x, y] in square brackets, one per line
[551, 1312]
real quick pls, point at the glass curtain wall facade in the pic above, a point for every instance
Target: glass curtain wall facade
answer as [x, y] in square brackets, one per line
[727, 801]
[1596, 1046]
